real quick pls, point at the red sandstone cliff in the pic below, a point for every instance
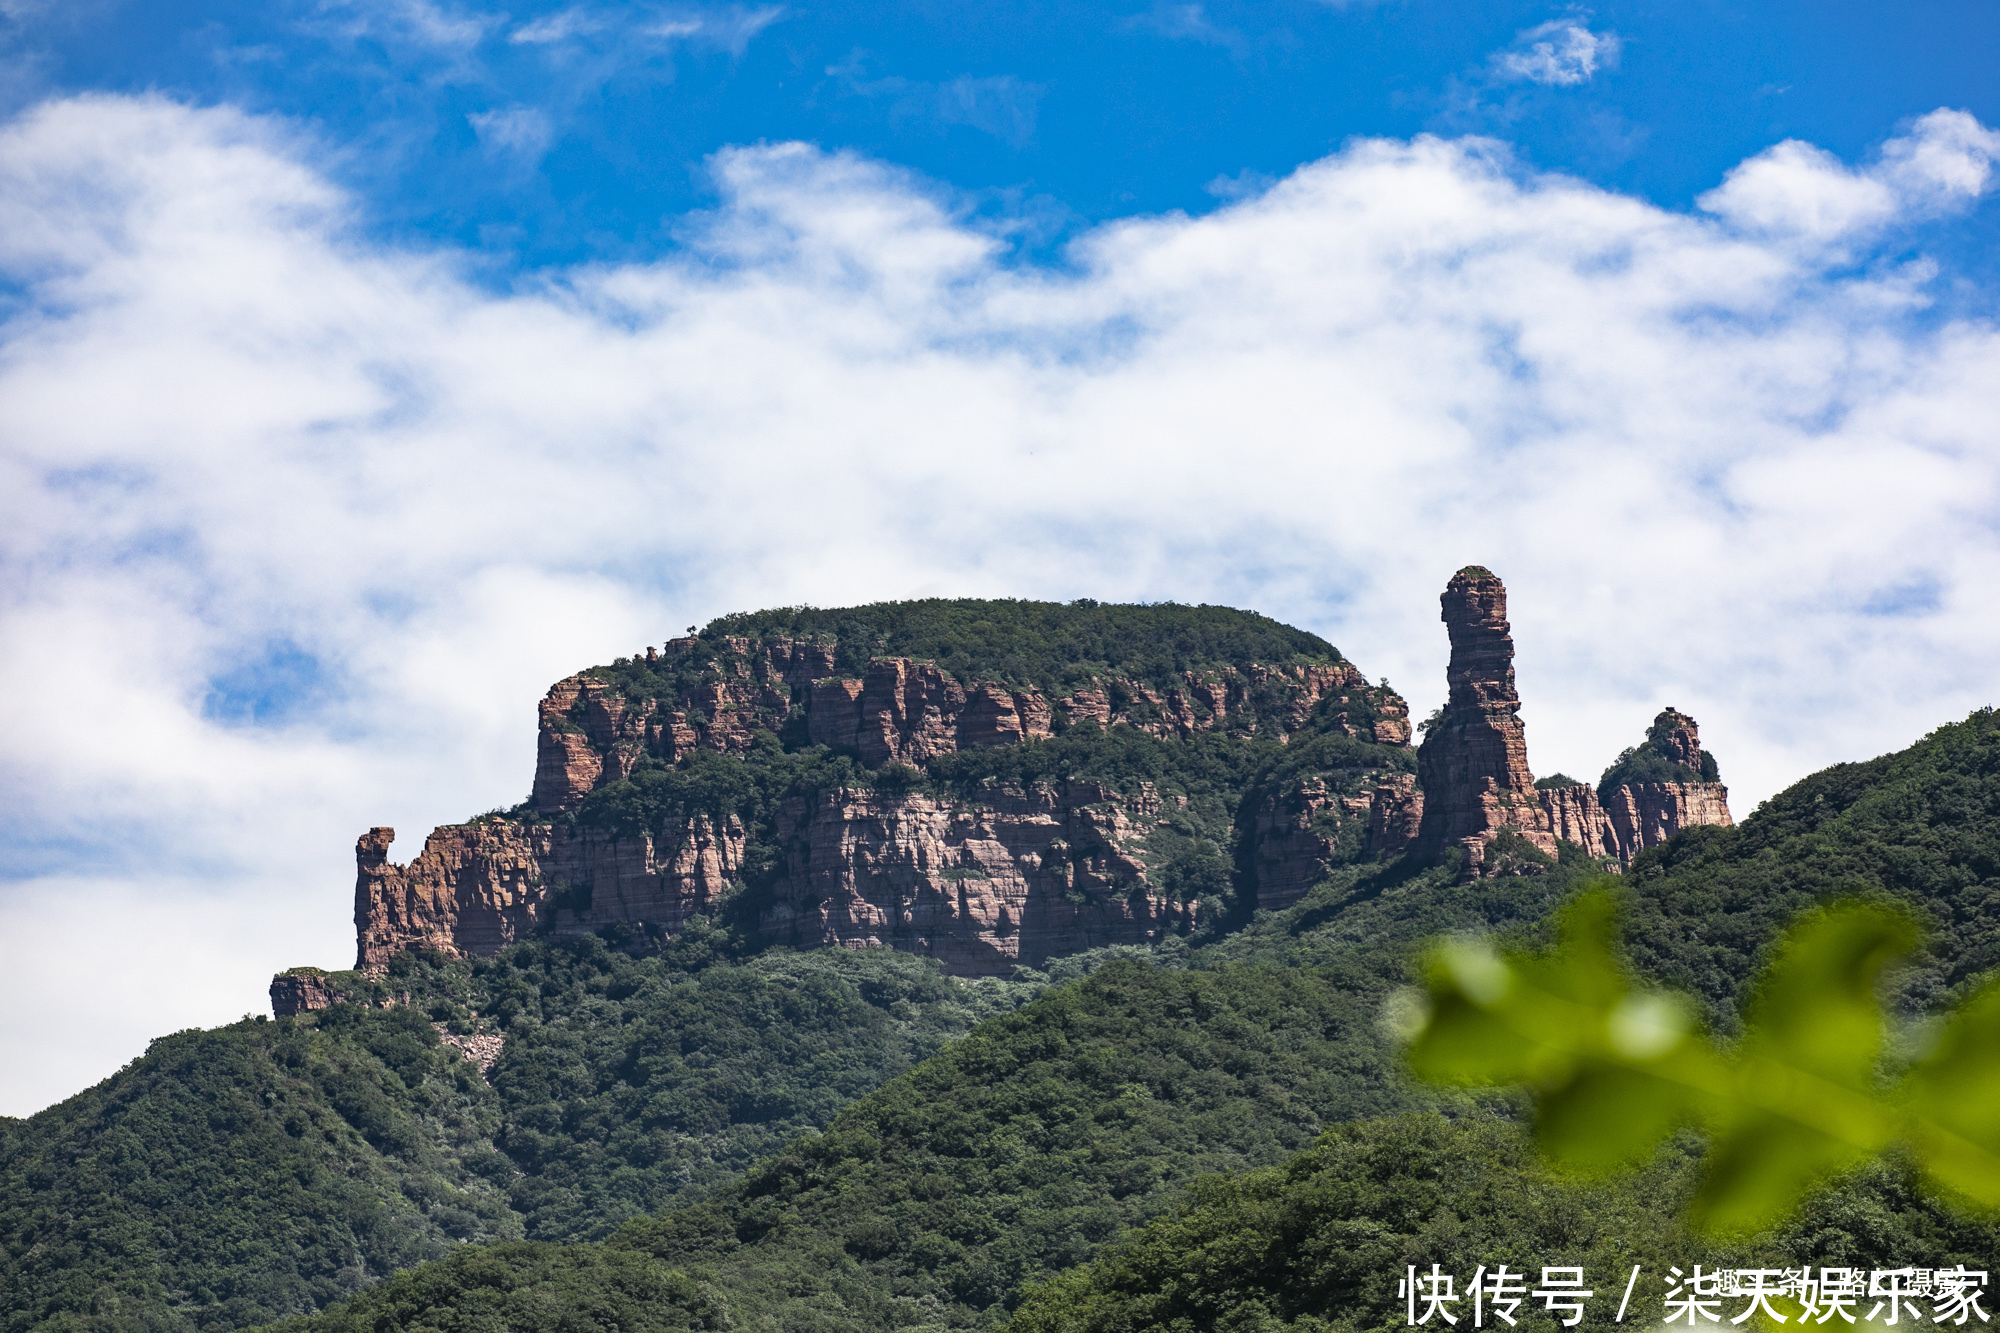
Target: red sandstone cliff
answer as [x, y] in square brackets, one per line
[1632, 816]
[910, 712]
[1017, 876]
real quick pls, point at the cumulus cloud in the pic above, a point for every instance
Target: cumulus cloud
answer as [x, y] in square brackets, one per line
[1795, 190]
[1561, 53]
[252, 457]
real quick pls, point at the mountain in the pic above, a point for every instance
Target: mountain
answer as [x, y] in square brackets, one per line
[967, 1189]
[1146, 875]
[990, 784]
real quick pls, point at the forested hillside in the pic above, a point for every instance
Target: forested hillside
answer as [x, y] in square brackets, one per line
[235, 1175]
[944, 1198]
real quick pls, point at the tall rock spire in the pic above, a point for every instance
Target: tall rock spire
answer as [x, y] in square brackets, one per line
[1473, 766]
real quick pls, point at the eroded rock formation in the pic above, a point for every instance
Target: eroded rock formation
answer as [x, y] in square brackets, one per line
[300, 991]
[1016, 876]
[1627, 817]
[1473, 766]
[904, 711]
[1006, 874]
[476, 888]
[1019, 876]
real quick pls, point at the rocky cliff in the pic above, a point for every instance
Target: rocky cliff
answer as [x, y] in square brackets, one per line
[982, 874]
[829, 792]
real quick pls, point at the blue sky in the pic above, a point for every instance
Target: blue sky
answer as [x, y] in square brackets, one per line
[367, 366]
[556, 133]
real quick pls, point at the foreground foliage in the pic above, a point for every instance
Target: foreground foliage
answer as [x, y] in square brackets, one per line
[1615, 1067]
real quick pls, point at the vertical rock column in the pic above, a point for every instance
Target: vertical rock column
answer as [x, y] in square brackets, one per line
[1473, 766]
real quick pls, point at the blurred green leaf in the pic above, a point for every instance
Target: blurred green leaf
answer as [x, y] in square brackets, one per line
[1615, 1068]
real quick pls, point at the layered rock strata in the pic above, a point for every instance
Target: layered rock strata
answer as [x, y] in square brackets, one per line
[1326, 819]
[1014, 877]
[1623, 820]
[1017, 877]
[476, 888]
[905, 711]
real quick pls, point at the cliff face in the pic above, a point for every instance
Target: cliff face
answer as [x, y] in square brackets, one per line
[1010, 871]
[476, 888]
[909, 712]
[1018, 875]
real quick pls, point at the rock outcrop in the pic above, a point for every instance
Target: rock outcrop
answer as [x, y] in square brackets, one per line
[1011, 872]
[1626, 817]
[1016, 876]
[1473, 765]
[898, 710]
[300, 991]
[476, 888]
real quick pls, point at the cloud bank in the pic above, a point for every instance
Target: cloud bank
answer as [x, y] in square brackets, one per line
[298, 527]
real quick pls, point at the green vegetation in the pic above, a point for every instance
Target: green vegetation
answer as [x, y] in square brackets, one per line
[1615, 1068]
[1319, 1243]
[1919, 828]
[1652, 761]
[233, 1176]
[1022, 1149]
[1053, 646]
[1189, 1136]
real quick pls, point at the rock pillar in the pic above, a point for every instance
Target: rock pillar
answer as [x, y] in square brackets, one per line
[1473, 766]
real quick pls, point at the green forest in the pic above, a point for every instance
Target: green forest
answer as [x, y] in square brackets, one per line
[1218, 1132]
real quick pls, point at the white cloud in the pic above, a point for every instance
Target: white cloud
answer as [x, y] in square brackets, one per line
[1186, 23]
[559, 27]
[727, 28]
[1796, 190]
[1715, 472]
[522, 132]
[1561, 53]
[416, 26]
